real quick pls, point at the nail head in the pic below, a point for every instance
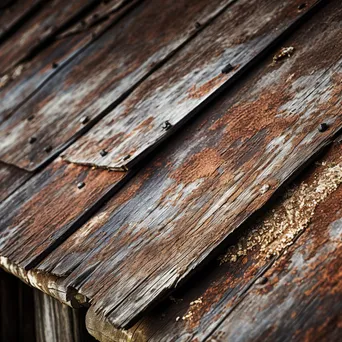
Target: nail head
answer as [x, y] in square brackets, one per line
[84, 120]
[32, 140]
[322, 127]
[81, 185]
[166, 125]
[48, 149]
[227, 69]
[261, 281]
[103, 153]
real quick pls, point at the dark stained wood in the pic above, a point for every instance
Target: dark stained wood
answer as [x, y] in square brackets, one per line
[56, 322]
[226, 290]
[209, 179]
[24, 80]
[51, 17]
[49, 207]
[118, 60]
[14, 13]
[16, 310]
[186, 82]
[10, 179]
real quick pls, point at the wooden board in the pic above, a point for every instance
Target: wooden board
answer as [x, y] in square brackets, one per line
[118, 63]
[185, 83]
[10, 179]
[31, 74]
[50, 206]
[49, 18]
[216, 297]
[209, 179]
[14, 13]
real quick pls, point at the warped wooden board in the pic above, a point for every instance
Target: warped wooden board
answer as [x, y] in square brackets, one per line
[10, 179]
[13, 13]
[195, 310]
[97, 78]
[48, 207]
[185, 83]
[50, 17]
[209, 179]
[18, 85]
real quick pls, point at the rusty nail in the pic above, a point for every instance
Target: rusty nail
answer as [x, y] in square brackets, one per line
[84, 120]
[323, 127]
[47, 149]
[81, 185]
[126, 157]
[198, 25]
[301, 6]
[228, 68]
[103, 153]
[261, 281]
[166, 125]
[55, 65]
[32, 140]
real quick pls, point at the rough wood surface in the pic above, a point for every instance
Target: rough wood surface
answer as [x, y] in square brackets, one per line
[50, 17]
[10, 179]
[13, 14]
[16, 310]
[24, 80]
[56, 322]
[49, 207]
[219, 297]
[185, 83]
[93, 82]
[211, 177]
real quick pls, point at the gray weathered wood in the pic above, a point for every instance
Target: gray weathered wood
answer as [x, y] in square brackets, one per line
[50, 206]
[11, 178]
[95, 81]
[185, 83]
[212, 177]
[24, 80]
[56, 322]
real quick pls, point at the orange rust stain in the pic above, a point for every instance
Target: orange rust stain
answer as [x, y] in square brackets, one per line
[198, 92]
[201, 165]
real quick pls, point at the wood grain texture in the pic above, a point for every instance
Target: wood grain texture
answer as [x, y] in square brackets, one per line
[49, 18]
[16, 310]
[24, 80]
[209, 179]
[49, 207]
[278, 285]
[10, 179]
[185, 83]
[99, 77]
[14, 13]
[56, 322]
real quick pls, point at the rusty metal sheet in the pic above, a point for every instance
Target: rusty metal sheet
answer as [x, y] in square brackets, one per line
[13, 13]
[10, 179]
[195, 310]
[25, 79]
[50, 18]
[50, 206]
[175, 92]
[93, 82]
[211, 178]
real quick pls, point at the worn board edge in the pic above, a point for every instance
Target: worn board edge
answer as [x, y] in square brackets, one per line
[59, 149]
[127, 165]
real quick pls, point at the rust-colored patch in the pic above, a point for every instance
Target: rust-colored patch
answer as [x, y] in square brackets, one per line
[201, 165]
[198, 92]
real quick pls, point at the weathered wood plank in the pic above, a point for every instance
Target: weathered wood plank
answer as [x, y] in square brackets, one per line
[211, 178]
[16, 310]
[50, 18]
[198, 308]
[25, 79]
[10, 179]
[49, 207]
[186, 82]
[118, 60]
[14, 13]
[56, 322]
